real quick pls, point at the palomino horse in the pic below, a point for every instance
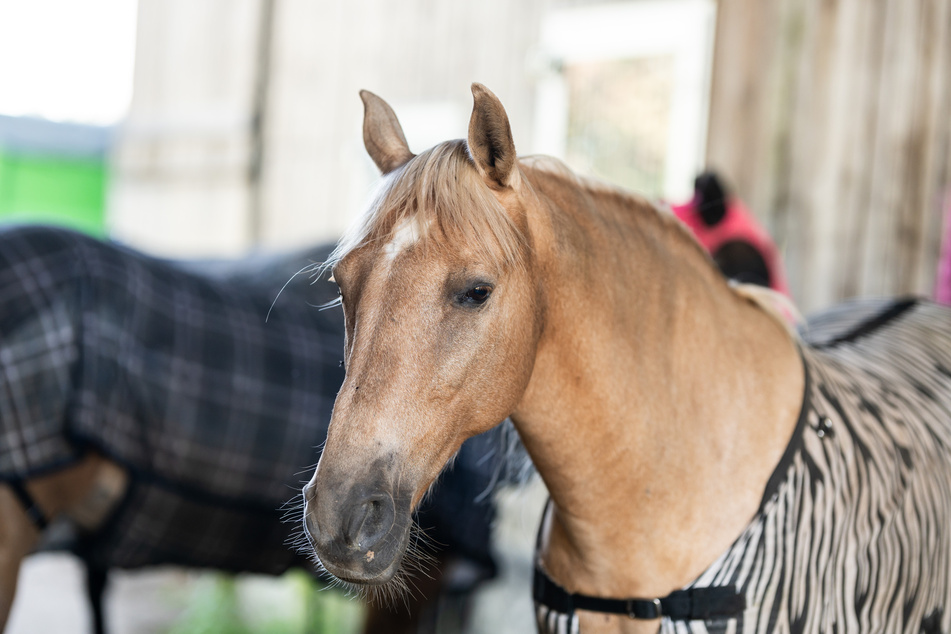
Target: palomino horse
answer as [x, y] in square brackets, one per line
[166, 410]
[707, 470]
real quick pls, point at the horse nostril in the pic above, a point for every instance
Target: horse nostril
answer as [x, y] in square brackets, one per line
[310, 492]
[369, 522]
[310, 527]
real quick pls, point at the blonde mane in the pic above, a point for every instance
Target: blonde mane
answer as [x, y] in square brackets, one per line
[632, 202]
[776, 305]
[441, 192]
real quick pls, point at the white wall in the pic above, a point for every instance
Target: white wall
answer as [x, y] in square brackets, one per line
[184, 181]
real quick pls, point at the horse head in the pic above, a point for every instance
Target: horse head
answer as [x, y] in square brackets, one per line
[443, 316]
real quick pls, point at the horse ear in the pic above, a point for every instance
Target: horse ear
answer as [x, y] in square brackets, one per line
[490, 139]
[382, 134]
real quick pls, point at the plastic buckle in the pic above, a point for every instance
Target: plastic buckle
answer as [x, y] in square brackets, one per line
[648, 609]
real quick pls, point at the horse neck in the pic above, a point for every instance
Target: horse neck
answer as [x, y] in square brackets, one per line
[659, 403]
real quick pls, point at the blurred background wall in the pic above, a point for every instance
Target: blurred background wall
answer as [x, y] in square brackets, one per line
[244, 127]
[830, 117]
[833, 120]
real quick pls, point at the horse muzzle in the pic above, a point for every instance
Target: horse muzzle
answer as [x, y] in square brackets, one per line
[359, 535]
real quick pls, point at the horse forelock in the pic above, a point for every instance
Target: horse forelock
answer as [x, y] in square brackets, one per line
[437, 198]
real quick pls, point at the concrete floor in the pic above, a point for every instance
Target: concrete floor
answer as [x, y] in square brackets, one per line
[51, 597]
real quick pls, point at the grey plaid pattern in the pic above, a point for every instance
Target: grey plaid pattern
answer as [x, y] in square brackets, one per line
[172, 370]
[39, 351]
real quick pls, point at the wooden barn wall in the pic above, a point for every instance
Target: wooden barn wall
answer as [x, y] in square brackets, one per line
[832, 119]
[180, 179]
[244, 127]
[245, 124]
[411, 52]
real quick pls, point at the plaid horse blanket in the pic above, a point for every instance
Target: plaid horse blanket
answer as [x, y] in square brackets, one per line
[209, 387]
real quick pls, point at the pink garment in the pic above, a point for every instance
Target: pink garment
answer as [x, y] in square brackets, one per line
[942, 290]
[737, 225]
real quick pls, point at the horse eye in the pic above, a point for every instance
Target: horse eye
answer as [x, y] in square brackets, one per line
[476, 295]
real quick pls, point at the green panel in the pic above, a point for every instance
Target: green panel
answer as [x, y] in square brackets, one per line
[49, 189]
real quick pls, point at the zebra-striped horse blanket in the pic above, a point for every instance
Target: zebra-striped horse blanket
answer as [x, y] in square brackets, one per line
[854, 530]
[177, 372]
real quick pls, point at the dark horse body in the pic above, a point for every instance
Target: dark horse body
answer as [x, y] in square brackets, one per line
[211, 408]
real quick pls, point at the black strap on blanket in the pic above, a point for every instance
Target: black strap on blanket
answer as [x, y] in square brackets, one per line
[680, 605]
[870, 325]
[32, 509]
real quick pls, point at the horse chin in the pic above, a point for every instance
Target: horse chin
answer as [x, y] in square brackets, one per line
[360, 578]
[392, 584]
[366, 569]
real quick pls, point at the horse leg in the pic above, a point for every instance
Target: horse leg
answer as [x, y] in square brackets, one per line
[18, 536]
[85, 491]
